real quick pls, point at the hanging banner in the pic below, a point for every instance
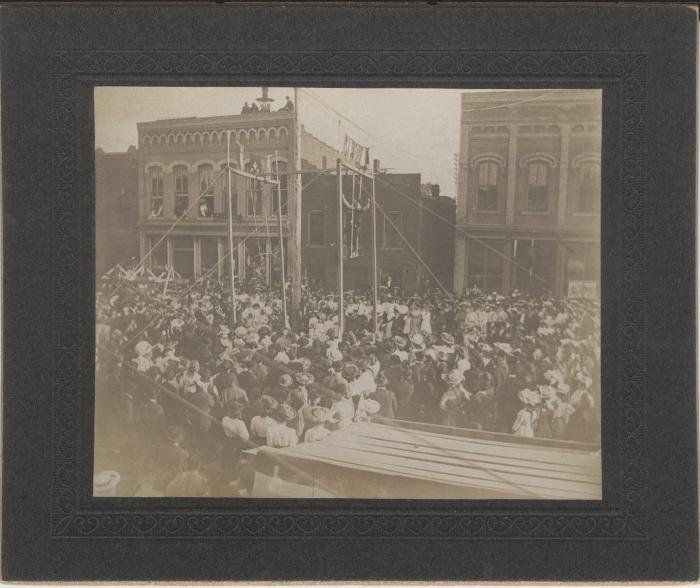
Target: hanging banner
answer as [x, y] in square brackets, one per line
[354, 153]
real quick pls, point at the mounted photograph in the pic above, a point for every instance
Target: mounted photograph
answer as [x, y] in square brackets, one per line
[379, 293]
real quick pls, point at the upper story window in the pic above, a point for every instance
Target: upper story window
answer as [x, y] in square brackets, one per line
[181, 190]
[155, 181]
[393, 222]
[280, 168]
[316, 222]
[206, 190]
[487, 181]
[537, 186]
[589, 187]
[224, 188]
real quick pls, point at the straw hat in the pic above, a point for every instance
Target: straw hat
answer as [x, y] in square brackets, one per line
[304, 379]
[318, 414]
[105, 483]
[285, 380]
[287, 412]
[370, 406]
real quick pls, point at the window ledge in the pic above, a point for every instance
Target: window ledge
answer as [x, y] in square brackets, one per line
[534, 212]
[586, 214]
[487, 210]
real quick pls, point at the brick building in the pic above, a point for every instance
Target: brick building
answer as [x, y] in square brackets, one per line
[116, 208]
[529, 191]
[177, 161]
[399, 195]
[173, 175]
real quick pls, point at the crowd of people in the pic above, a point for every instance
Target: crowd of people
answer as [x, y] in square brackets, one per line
[189, 391]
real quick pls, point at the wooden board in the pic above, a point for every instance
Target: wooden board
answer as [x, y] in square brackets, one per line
[481, 466]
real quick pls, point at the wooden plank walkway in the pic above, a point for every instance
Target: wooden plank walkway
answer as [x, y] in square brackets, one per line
[509, 467]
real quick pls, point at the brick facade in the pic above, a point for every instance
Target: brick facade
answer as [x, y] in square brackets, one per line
[195, 149]
[528, 207]
[399, 195]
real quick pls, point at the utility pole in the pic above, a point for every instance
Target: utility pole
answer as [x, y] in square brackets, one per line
[282, 260]
[231, 256]
[375, 269]
[341, 305]
[294, 217]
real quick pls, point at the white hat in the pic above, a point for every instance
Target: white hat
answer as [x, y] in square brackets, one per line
[370, 406]
[527, 396]
[143, 348]
[105, 483]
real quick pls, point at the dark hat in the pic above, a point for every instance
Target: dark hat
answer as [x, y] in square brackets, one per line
[268, 402]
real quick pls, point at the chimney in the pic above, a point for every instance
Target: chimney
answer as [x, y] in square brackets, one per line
[376, 166]
[435, 190]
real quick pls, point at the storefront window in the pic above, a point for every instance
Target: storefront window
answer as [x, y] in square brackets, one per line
[485, 265]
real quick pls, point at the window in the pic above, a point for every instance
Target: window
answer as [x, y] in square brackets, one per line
[392, 239]
[210, 255]
[589, 187]
[487, 179]
[183, 256]
[485, 265]
[181, 190]
[537, 178]
[159, 255]
[324, 162]
[224, 188]
[280, 166]
[206, 190]
[156, 191]
[316, 222]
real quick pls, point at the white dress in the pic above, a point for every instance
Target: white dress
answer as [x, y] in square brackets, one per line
[260, 424]
[524, 423]
[280, 435]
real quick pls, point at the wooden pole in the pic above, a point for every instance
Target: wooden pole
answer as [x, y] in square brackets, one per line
[232, 263]
[375, 269]
[294, 208]
[279, 223]
[341, 310]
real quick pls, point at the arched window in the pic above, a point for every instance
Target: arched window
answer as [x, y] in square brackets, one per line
[589, 187]
[281, 167]
[181, 190]
[206, 189]
[487, 183]
[537, 186]
[224, 189]
[283, 134]
[155, 181]
[272, 135]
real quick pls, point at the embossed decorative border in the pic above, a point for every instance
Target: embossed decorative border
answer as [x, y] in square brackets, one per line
[69, 69]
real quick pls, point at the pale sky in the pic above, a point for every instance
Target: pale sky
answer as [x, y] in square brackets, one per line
[409, 129]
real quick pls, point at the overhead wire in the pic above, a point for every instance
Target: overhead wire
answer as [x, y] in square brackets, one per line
[466, 233]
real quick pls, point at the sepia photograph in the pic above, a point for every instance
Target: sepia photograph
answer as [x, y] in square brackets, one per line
[379, 293]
